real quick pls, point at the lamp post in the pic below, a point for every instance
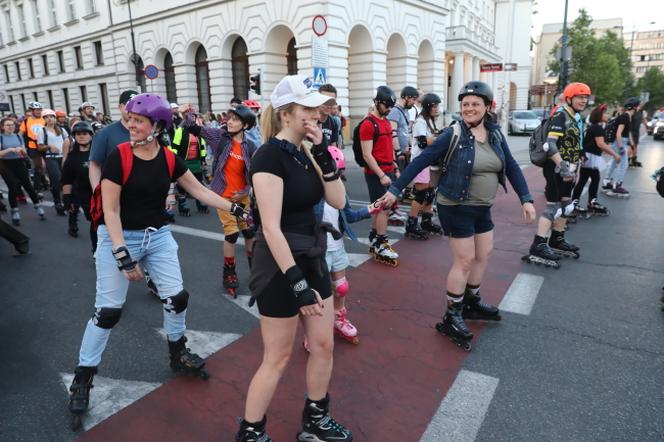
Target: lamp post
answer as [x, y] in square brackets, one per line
[134, 56]
[564, 62]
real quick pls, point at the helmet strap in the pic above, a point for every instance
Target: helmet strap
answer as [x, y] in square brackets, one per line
[150, 138]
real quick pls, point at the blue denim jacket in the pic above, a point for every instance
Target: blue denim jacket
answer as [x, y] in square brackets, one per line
[346, 216]
[455, 184]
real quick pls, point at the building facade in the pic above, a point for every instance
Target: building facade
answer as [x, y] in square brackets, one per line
[64, 52]
[647, 49]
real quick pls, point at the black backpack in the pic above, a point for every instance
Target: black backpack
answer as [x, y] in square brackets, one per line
[611, 130]
[538, 155]
[357, 144]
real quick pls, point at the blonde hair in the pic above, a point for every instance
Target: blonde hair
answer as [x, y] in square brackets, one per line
[271, 120]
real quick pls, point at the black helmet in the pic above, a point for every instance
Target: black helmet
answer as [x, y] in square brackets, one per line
[632, 102]
[479, 89]
[246, 115]
[409, 92]
[430, 100]
[385, 95]
[82, 126]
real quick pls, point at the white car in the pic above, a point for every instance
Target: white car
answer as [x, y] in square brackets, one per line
[523, 122]
[658, 130]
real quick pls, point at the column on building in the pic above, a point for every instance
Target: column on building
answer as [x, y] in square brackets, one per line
[221, 83]
[186, 80]
[476, 68]
[273, 68]
[457, 81]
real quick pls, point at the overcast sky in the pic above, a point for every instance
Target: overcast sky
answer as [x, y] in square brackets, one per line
[637, 13]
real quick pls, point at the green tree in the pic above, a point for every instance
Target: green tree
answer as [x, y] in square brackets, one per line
[652, 82]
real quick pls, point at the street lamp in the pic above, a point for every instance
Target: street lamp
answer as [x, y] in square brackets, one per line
[564, 66]
[134, 56]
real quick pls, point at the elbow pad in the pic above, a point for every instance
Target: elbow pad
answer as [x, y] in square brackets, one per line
[551, 147]
[421, 142]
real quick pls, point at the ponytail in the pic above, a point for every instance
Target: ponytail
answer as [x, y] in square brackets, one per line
[271, 120]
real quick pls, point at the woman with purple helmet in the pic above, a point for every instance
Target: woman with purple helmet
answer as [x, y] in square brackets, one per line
[136, 180]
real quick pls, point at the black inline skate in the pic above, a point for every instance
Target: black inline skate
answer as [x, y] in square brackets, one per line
[184, 361]
[60, 209]
[559, 245]
[231, 283]
[252, 432]
[318, 425]
[183, 206]
[595, 208]
[414, 231]
[541, 253]
[202, 208]
[475, 309]
[429, 226]
[580, 212]
[454, 327]
[79, 398]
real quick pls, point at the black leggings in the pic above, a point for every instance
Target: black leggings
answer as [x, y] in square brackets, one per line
[53, 168]
[585, 175]
[82, 202]
[15, 174]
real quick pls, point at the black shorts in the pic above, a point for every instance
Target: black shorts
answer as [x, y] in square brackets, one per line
[465, 221]
[376, 189]
[556, 188]
[277, 300]
[635, 138]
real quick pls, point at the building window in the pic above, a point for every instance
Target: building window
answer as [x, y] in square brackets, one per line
[203, 80]
[84, 93]
[169, 77]
[291, 57]
[54, 13]
[25, 106]
[140, 73]
[21, 20]
[103, 93]
[36, 14]
[17, 65]
[240, 63]
[35, 96]
[49, 93]
[92, 7]
[65, 96]
[79, 57]
[61, 61]
[71, 9]
[99, 54]
[10, 26]
[45, 64]
[6, 73]
[31, 68]
[11, 101]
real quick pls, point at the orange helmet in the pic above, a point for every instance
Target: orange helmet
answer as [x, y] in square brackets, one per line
[574, 89]
[60, 113]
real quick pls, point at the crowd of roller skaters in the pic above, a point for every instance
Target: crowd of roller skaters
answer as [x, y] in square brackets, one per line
[276, 180]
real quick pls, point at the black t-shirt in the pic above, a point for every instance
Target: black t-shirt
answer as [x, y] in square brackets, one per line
[75, 172]
[143, 196]
[302, 186]
[625, 119]
[589, 145]
[637, 120]
[331, 131]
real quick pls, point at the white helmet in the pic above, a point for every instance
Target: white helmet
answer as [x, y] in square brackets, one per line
[35, 105]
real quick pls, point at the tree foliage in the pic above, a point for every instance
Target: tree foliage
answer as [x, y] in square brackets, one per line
[652, 82]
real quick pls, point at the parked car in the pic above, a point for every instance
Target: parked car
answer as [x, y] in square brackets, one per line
[541, 113]
[658, 129]
[523, 122]
[650, 125]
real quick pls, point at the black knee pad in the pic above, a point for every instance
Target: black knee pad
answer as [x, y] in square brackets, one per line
[176, 304]
[420, 196]
[431, 195]
[232, 238]
[106, 317]
[249, 233]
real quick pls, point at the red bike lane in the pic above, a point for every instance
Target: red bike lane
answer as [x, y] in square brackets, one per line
[387, 388]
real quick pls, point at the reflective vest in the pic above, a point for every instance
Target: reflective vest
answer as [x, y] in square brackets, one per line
[177, 140]
[27, 129]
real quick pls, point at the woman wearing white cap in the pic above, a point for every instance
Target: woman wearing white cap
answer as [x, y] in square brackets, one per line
[290, 280]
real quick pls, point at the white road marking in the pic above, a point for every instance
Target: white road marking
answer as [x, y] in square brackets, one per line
[242, 301]
[461, 413]
[110, 396]
[521, 295]
[206, 343]
[357, 259]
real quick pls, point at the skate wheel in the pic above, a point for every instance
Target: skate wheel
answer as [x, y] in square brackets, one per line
[232, 293]
[203, 374]
[467, 346]
[76, 422]
[355, 341]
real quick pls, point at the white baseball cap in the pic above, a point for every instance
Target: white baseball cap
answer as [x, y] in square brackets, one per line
[174, 106]
[297, 89]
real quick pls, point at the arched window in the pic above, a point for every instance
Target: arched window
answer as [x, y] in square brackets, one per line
[169, 77]
[203, 80]
[140, 73]
[291, 57]
[240, 63]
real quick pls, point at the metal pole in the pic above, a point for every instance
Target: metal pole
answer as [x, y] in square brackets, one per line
[134, 56]
[564, 63]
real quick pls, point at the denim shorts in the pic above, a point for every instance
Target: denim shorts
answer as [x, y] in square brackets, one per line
[465, 221]
[337, 260]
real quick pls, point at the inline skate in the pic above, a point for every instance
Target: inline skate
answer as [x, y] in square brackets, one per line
[79, 398]
[184, 361]
[343, 328]
[454, 327]
[414, 231]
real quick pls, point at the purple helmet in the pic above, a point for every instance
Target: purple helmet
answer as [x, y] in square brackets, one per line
[153, 106]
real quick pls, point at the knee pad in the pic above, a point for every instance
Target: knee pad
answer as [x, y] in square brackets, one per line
[431, 195]
[341, 287]
[420, 196]
[177, 303]
[106, 317]
[552, 211]
[249, 232]
[232, 238]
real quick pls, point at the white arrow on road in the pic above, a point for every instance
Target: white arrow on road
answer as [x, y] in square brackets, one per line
[206, 343]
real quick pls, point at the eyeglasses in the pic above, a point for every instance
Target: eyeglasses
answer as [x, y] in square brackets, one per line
[10, 124]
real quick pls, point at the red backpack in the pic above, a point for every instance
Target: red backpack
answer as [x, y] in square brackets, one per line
[126, 161]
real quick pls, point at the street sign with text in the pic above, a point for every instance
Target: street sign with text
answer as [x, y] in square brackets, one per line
[491, 67]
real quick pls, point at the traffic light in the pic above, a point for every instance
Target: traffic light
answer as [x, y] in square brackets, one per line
[255, 83]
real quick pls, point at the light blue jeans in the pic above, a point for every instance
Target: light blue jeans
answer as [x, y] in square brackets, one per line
[619, 169]
[157, 252]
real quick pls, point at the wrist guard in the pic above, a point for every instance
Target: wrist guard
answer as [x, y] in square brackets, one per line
[123, 258]
[304, 295]
[238, 210]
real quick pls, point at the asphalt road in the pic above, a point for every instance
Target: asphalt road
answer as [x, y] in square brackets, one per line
[586, 364]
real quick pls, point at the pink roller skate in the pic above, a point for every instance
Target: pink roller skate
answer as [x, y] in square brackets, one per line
[343, 328]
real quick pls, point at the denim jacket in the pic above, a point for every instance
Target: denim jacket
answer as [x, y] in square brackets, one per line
[346, 216]
[455, 184]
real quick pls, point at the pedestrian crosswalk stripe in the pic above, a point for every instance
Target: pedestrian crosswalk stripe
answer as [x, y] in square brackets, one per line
[521, 295]
[206, 343]
[242, 301]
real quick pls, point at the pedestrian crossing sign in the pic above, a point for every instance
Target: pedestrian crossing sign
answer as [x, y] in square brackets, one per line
[320, 76]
